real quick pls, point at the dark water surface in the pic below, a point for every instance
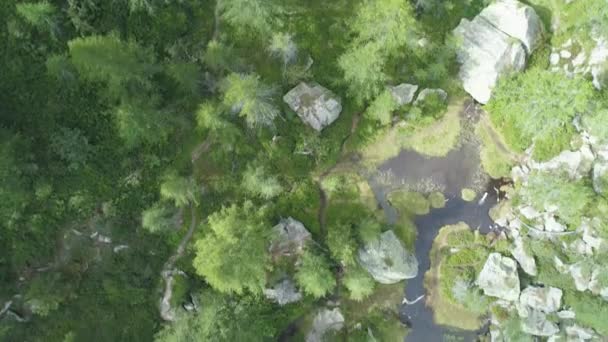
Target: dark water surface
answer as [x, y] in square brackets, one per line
[451, 173]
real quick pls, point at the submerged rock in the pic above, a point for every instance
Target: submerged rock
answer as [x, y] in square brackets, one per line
[545, 299]
[284, 292]
[387, 260]
[404, 93]
[495, 43]
[290, 237]
[498, 278]
[314, 104]
[326, 320]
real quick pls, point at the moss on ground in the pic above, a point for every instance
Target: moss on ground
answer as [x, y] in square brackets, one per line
[442, 275]
[437, 199]
[409, 202]
[495, 159]
[468, 194]
[406, 231]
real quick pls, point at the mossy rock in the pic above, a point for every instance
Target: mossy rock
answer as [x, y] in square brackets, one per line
[468, 194]
[409, 202]
[500, 210]
[437, 200]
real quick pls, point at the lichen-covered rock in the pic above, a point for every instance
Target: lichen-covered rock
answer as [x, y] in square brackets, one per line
[387, 260]
[537, 324]
[600, 177]
[404, 93]
[545, 299]
[284, 292]
[314, 104]
[525, 260]
[498, 278]
[578, 333]
[290, 237]
[326, 320]
[495, 43]
[576, 163]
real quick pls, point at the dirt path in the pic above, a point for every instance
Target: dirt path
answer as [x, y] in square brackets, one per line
[167, 313]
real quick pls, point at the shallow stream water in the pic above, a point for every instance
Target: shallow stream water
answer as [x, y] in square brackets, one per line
[449, 174]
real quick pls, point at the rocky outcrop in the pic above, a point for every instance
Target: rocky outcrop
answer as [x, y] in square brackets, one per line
[495, 43]
[314, 104]
[424, 93]
[284, 292]
[525, 260]
[387, 260]
[545, 299]
[600, 177]
[577, 164]
[403, 93]
[290, 238]
[498, 278]
[578, 333]
[536, 323]
[326, 320]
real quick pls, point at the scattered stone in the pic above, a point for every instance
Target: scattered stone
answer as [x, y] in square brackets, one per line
[578, 333]
[545, 299]
[529, 212]
[525, 260]
[576, 163]
[314, 104]
[551, 225]
[494, 44]
[579, 59]
[565, 54]
[119, 248]
[554, 58]
[582, 275]
[325, 321]
[290, 237]
[537, 324]
[387, 260]
[284, 292]
[428, 91]
[499, 278]
[404, 93]
[566, 314]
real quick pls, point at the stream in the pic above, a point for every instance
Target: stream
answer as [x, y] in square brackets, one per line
[460, 168]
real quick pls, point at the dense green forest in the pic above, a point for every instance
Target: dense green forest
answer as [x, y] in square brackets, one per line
[147, 152]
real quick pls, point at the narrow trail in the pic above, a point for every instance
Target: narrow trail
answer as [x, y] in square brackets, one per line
[167, 313]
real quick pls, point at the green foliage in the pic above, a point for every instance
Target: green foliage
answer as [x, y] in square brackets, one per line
[437, 199]
[369, 230]
[571, 197]
[363, 71]
[381, 109]
[258, 183]
[232, 256]
[469, 296]
[71, 146]
[468, 194]
[250, 97]
[250, 15]
[359, 283]
[597, 124]
[590, 311]
[283, 47]
[538, 107]
[409, 202]
[39, 14]
[181, 190]
[342, 244]
[314, 275]
[433, 106]
[160, 218]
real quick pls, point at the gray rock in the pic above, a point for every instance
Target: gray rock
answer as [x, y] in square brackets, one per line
[578, 333]
[598, 59]
[284, 292]
[525, 260]
[554, 58]
[545, 299]
[498, 278]
[551, 225]
[314, 104]
[326, 320]
[566, 314]
[582, 275]
[529, 212]
[387, 260]
[565, 54]
[600, 176]
[576, 163]
[579, 59]
[537, 324]
[494, 43]
[290, 237]
[404, 93]
[516, 20]
[428, 91]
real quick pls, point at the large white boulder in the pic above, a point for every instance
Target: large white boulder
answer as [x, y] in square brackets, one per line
[495, 43]
[314, 104]
[499, 278]
[403, 93]
[387, 260]
[545, 299]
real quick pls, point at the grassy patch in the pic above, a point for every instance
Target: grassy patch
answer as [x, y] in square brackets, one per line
[409, 202]
[495, 158]
[406, 231]
[437, 199]
[468, 194]
[443, 274]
